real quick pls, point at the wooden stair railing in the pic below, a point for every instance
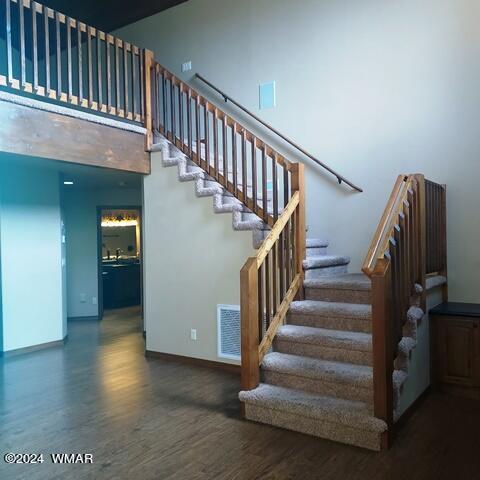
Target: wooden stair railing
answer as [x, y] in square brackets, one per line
[53, 56]
[396, 264]
[264, 181]
[242, 163]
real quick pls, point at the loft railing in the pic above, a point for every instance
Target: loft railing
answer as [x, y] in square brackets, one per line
[397, 263]
[263, 181]
[228, 98]
[51, 55]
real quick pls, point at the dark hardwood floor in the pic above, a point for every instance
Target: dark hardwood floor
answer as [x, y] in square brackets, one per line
[152, 419]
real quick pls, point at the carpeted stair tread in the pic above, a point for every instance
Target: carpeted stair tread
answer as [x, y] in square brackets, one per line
[322, 370]
[348, 413]
[348, 281]
[435, 281]
[316, 243]
[323, 261]
[331, 309]
[353, 341]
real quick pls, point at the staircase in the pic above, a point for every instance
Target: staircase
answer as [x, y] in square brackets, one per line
[318, 378]
[324, 352]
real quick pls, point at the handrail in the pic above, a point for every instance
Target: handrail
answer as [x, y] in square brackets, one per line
[228, 98]
[382, 234]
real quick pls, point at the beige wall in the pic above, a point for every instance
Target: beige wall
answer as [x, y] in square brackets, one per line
[192, 261]
[372, 88]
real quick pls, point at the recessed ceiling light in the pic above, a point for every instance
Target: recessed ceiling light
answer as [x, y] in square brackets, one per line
[68, 182]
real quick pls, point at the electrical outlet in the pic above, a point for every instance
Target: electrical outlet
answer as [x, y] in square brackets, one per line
[187, 66]
[193, 334]
[83, 298]
[94, 301]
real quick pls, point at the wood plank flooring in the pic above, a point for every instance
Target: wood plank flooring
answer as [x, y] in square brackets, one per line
[152, 419]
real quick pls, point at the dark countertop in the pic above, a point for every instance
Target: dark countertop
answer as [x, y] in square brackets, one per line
[456, 309]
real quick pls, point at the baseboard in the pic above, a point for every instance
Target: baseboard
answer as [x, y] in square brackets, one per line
[95, 318]
[197, 362]
[34, 348]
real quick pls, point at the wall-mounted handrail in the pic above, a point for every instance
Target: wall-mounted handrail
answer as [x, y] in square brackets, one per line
[228, 98]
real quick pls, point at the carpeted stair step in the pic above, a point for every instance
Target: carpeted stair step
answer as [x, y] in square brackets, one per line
[321, 265]
[325, 344]
[347, 288]
[316, 247]
[341, 420]
[334, 379]
[351, 317]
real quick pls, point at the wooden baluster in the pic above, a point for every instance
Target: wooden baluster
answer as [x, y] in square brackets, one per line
[288, 253]
[444, 241]
[261, 301]
[275, 302]
[234, 159]
[109, 76]
[422, 240]
[46, 31]
[254, 176]
[156, 106]
[206, 133]
[244, 167]
[264, 186]
[403, 267]
[172, 110]
[225, 150]
[275, 186]
[69, 58]
[59, 55]
[197, 132]
[8, 20]
[90, 67]
[298, 184]
[99, 73]
[189, 121]
[180, 116]
[382, 346]
[148, 122]
[80, 62]
[22, 45]
[268, 292]
[215, 145]
[135, 87]
[33, 10]
[125, 81]
[118, 104]
[144, 78]
[249, 325]
[281, 244]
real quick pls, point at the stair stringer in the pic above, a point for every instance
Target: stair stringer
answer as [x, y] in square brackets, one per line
[243, 219]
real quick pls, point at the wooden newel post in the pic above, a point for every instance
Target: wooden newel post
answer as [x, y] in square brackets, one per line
[249, 329]
[382, 345]
[298, 184]
[148, 58]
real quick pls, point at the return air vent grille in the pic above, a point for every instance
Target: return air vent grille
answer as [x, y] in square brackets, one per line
[228, 326]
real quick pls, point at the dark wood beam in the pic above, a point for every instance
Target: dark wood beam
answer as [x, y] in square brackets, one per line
[37, 133]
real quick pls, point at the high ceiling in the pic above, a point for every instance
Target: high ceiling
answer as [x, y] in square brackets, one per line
[107, 15]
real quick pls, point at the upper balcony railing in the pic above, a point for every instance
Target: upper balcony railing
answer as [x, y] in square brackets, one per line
[46, 53]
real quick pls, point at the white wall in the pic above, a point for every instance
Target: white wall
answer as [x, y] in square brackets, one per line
[372, 88]
[31, 268]
[192, 263]
[82, 247]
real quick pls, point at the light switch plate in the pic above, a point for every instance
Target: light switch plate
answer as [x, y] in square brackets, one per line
[187, 66]
[267, 95]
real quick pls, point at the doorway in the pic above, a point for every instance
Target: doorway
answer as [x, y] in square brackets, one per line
[119, 257]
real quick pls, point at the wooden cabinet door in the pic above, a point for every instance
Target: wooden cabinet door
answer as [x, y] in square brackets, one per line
[459, 351]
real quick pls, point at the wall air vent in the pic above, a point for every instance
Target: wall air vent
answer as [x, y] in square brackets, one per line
[228, 331]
